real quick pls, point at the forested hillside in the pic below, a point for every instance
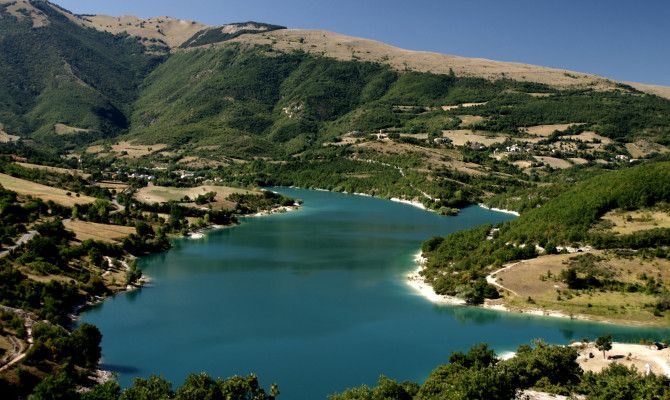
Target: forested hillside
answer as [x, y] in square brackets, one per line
[61, 73]
[255, 102]
[457, 264]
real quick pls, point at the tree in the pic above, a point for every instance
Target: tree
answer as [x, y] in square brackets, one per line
[152, 388]
[55, 387]
[85, 345]
[604, 344]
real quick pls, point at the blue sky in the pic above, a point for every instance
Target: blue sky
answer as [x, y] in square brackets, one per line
[625, 40]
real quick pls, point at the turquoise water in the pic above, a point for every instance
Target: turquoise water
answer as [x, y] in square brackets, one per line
[314, 300]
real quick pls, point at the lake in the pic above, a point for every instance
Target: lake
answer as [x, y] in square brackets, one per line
[314, 300]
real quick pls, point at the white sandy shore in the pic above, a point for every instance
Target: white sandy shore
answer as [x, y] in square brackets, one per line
[278, 210]
[410, 202]
[423, 289]
[482, 205]
[418, 283]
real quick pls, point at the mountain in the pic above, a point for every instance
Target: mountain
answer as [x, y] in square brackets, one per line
[252, 89]
[57, 77]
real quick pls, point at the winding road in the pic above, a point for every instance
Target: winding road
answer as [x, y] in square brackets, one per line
[20, 351]
[25, 238]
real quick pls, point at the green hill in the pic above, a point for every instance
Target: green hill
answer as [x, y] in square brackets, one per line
[461, 260]
[63, 73]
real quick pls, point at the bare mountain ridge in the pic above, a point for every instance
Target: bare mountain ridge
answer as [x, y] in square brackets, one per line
[173, 33]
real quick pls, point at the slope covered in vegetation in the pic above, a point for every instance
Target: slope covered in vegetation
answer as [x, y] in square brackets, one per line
[62, 73]
[457, 264]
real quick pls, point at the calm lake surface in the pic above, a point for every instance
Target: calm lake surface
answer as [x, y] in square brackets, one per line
[314, 300]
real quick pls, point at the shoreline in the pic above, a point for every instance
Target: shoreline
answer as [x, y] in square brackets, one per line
[502, 210]
[414, 280]
[411, 203]
[102, 375]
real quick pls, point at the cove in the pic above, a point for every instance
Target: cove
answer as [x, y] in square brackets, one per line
[314, 300]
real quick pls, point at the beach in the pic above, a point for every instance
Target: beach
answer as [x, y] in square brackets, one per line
[502, 210]
[410, 202]
[416, 282]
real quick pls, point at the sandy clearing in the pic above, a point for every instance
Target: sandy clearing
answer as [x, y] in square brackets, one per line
[633, 355]
[103, 232]
[546, 130]
[554, 162]
[43, 192]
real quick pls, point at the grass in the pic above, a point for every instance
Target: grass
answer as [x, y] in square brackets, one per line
[56, 170]
[127, 149]
[62, 129]
[537, 279]
[46, 193]
[163, 194]
[103, 232]
[546, 130]
[627, 222]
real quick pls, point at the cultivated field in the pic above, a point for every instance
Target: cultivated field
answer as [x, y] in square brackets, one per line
[118, 186]
[103, 232]
[127, 149]
[162, 194]
[627, 222]
[546, 130]
[56, 170]
[554, 162]
[589, 136]
[460, 137]
[43, 192]
[467, 120]
[643, 148]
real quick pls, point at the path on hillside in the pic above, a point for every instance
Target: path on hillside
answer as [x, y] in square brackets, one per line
[29, 319]
[402, 173]
[492, 278]
[25, 238]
